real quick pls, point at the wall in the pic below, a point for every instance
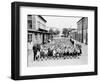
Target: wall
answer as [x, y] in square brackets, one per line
[5, 41]
[80, 33]
[38, 19]
[82, 25]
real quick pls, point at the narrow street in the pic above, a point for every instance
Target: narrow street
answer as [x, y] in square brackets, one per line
[83, 59]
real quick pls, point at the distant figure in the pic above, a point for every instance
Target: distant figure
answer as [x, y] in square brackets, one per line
[36, 48]
[37, 56]
[35, 51]
[49, 40]
[50, 52]
[54, 52]
[72, 41]
[42, 56]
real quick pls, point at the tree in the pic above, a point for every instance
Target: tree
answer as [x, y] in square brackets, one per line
[56, 32]
[65, 32]
[51, 31]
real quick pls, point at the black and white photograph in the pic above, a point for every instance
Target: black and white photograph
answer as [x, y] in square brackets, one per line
[57, 40]
[53, 40]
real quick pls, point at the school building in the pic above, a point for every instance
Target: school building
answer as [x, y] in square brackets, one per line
[37, 30]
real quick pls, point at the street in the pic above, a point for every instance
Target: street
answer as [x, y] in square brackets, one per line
[81, 60]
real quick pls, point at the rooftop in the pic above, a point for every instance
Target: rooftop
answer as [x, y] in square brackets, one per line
[42, 18]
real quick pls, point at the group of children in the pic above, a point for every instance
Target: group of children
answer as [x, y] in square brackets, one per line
[57, 50]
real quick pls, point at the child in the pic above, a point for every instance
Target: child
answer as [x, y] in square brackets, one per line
[38, 55]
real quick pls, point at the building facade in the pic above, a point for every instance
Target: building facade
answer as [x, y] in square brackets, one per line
[82, 29]
[74, 34]
[37, 30]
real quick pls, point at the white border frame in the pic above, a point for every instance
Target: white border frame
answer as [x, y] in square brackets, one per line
[24, 70]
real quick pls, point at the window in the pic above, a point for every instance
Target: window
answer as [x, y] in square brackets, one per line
[36, 36]
[38, 24]
[29, 24]
[29, 17]
[29, 21]
[29, 37]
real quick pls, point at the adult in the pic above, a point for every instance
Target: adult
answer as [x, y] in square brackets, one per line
[34, 51]
[36, 48]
